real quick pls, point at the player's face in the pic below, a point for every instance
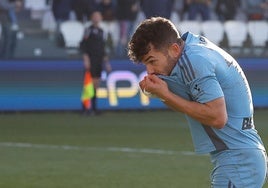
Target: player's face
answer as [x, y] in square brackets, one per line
[96, 18]
[159, 62]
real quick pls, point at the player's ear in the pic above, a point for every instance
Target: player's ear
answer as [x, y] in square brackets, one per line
[174, 50]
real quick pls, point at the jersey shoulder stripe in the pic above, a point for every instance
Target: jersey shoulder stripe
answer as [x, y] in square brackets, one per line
[187, 69]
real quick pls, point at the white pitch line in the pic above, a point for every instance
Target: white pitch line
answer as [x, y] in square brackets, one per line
[103, 149]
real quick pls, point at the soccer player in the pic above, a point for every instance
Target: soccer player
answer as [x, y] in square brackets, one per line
[194, 76]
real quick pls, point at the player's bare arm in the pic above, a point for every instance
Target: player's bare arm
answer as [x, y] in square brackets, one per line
[211, 114]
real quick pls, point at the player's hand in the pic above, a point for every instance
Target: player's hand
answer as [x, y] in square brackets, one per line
[108, 67]
[154, 85]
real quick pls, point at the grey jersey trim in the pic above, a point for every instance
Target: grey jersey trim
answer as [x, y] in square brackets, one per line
[216, 140]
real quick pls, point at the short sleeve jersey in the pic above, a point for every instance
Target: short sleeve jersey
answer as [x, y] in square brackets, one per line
[93, 42]
[204, 73]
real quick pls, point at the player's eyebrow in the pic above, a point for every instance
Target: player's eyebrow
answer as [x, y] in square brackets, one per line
[148, 58]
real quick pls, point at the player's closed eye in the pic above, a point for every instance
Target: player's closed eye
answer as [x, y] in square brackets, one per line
[152, 62]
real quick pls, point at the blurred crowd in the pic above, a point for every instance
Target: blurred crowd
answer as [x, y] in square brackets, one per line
[8, 27]
[120, 16]
[186, 9]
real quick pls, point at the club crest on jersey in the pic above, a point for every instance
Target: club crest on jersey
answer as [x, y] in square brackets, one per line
[202, 40]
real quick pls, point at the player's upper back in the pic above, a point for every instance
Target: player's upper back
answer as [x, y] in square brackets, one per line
[202, 59]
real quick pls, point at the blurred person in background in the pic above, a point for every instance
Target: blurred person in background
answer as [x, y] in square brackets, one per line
[161, 8]
[61, 10]
[265, 9]
[180, 7]
[127, 11]
[227, 9]
[83, 9]
[198, 7]
[193, 76]
[110, 24]
[255, 9]
[94, 57]
[9, 25]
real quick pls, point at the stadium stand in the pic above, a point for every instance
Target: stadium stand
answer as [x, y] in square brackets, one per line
[48, 22]
[216, 34]
[190, 25]
[236, 33]
[72, 32]
[258, 33]
[38, 29]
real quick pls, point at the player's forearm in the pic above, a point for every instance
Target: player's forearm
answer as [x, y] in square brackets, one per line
[210, 115]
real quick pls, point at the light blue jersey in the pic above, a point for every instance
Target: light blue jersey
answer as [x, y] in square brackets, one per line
[204, 73]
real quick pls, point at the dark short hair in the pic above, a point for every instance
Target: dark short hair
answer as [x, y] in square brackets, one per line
[158, 31]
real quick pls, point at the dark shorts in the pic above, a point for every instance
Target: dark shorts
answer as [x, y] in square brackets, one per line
[96, 66]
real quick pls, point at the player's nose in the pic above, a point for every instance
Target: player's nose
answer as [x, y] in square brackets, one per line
[149, 70]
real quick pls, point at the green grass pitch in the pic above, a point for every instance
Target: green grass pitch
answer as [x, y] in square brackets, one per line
[141, 149]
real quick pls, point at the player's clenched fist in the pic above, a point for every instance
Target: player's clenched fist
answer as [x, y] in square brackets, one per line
[153, 86]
